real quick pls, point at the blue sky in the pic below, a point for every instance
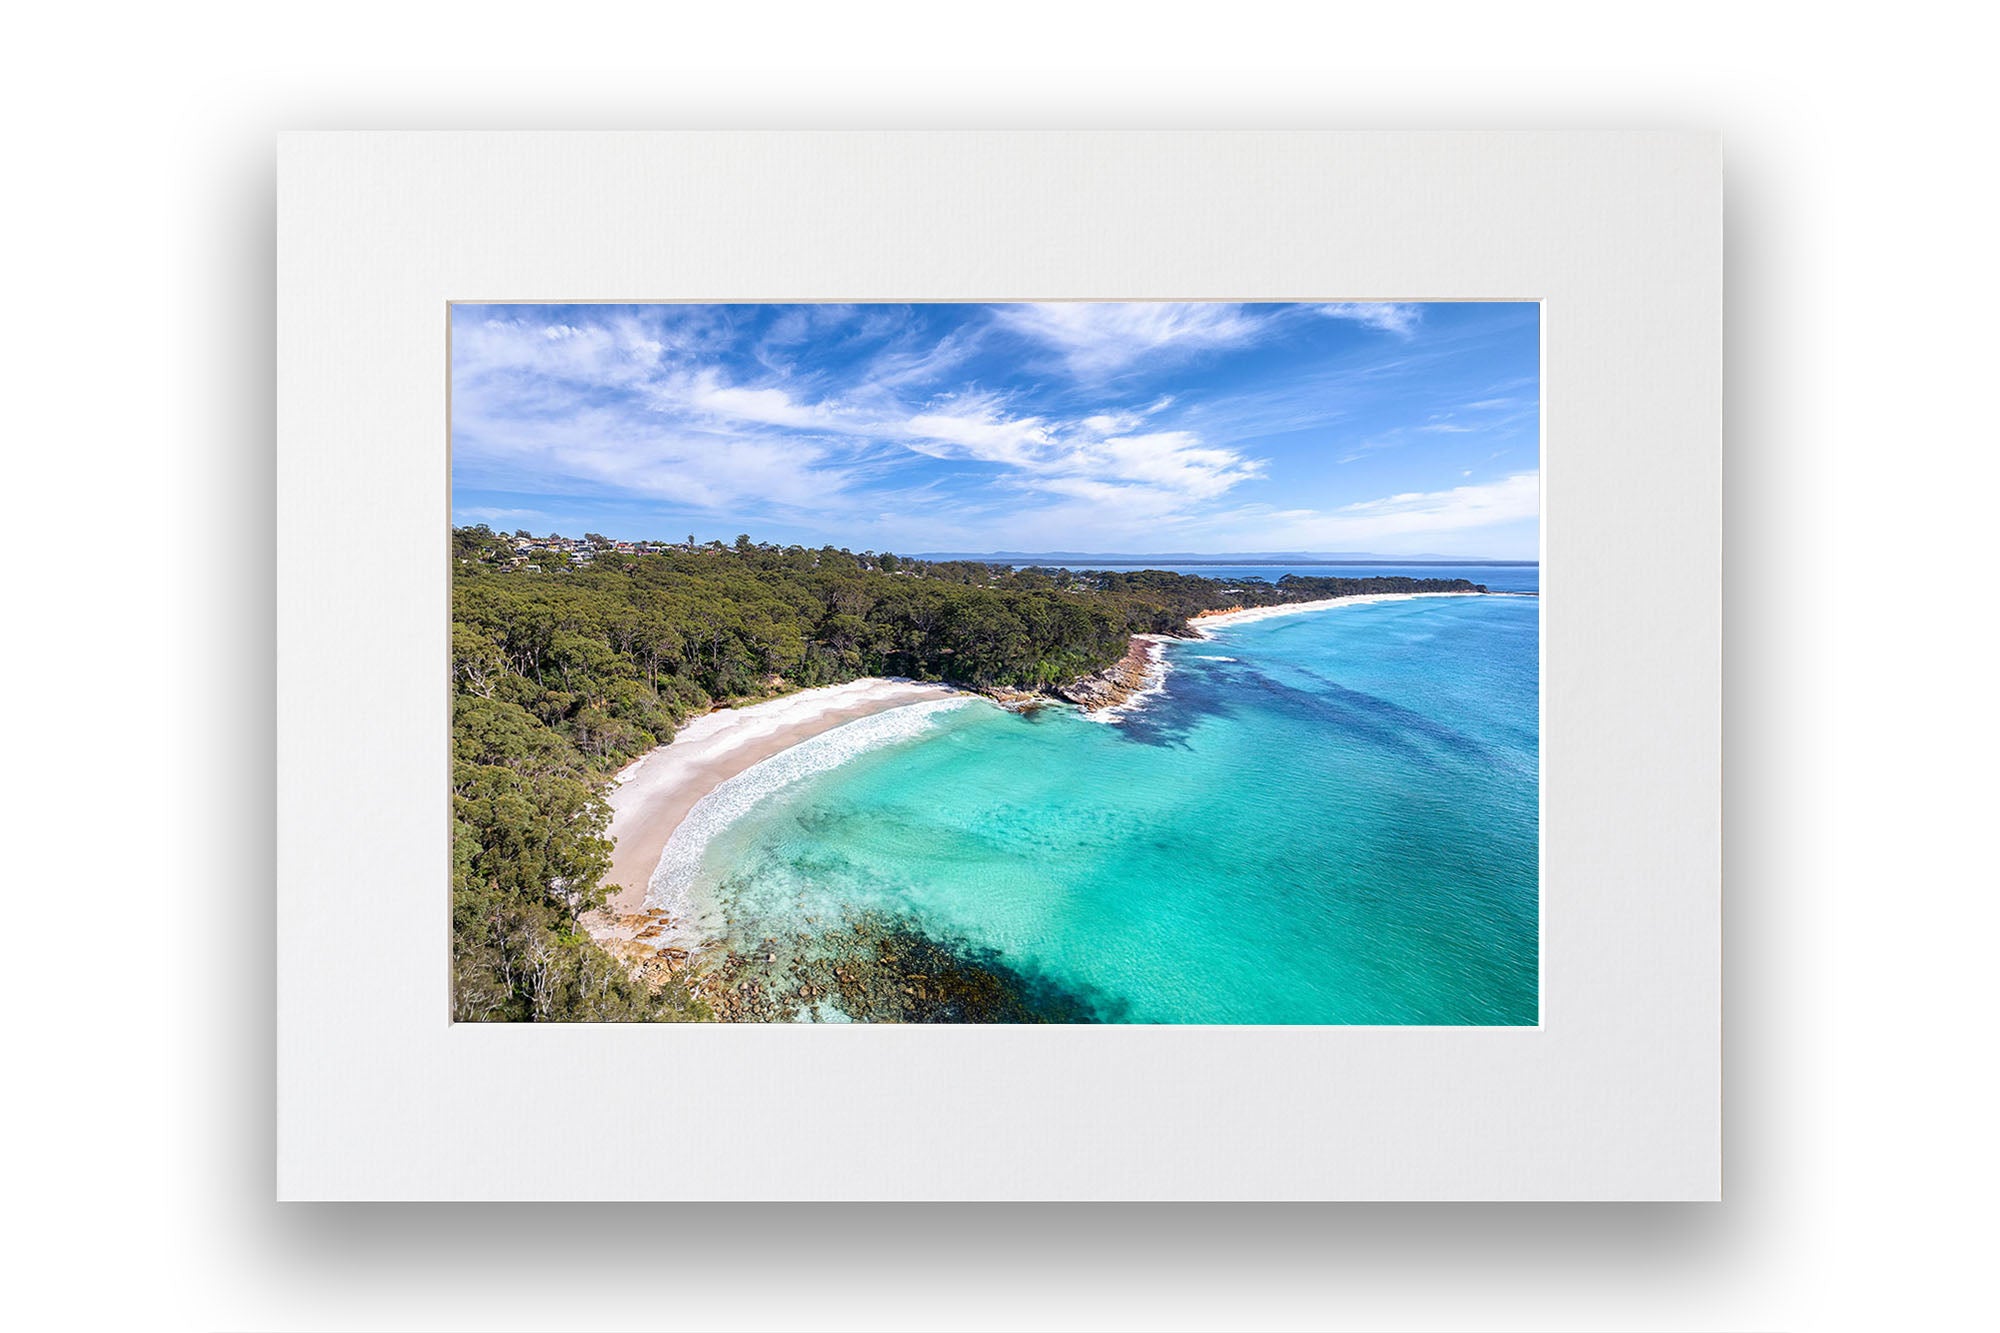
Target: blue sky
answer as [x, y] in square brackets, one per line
[1079, 426]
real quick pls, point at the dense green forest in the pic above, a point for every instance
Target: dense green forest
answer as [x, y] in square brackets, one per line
[565, 668]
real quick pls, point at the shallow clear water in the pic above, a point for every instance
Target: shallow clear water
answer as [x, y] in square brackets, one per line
[1328, 817]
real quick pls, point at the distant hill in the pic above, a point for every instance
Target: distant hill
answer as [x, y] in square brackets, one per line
[1076, 559]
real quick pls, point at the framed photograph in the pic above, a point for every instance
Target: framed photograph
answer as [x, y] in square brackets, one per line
[965, 666]
[791, 775]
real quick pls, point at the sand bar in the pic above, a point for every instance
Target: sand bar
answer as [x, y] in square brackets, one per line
[1203, 622]
[652, 795]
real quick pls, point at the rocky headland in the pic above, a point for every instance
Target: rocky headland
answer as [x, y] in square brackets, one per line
[1118, 684]
[1139, 671]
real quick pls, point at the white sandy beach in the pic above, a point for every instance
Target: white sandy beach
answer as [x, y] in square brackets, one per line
[1202, 624]
[652, 796]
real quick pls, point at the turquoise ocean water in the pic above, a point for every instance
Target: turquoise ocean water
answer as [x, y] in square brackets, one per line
[1326, 817]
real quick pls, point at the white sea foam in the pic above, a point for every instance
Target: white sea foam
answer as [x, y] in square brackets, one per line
[672, 884]
[1157, 669]
[730, 728]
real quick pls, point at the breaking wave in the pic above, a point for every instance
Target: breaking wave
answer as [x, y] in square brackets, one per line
[680, 861]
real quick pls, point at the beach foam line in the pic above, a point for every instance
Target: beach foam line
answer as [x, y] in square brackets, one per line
[1203, 625]
[672, 885]
[727, 729]
[651, 795]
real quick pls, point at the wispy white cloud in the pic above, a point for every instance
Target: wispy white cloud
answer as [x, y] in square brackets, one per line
[870, 423]
[1175, 461]
[1446, 423]
[595, 447]
[1415, 514]
[975, 426]
[1099, 339]
[1490, 518]
[709, 441]
[1083, 457]
[705, 394]
[1388, 316]
[620, 349]
[904, 365]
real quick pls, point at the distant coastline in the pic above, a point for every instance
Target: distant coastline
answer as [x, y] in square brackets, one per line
[1328, 564]
[1086, 560]
[1205, 622]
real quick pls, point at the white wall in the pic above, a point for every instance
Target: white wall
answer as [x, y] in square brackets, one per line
[1860, 721]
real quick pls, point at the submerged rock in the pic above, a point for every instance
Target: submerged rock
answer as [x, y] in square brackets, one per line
[883, 969]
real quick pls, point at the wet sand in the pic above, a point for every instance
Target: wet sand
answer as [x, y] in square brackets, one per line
[653, 795]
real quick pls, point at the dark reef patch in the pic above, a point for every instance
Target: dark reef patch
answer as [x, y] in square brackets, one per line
[1417, 739]
[881, 968]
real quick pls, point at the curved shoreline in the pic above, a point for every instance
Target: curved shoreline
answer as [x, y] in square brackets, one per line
[1202, 622]
[652, 796]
